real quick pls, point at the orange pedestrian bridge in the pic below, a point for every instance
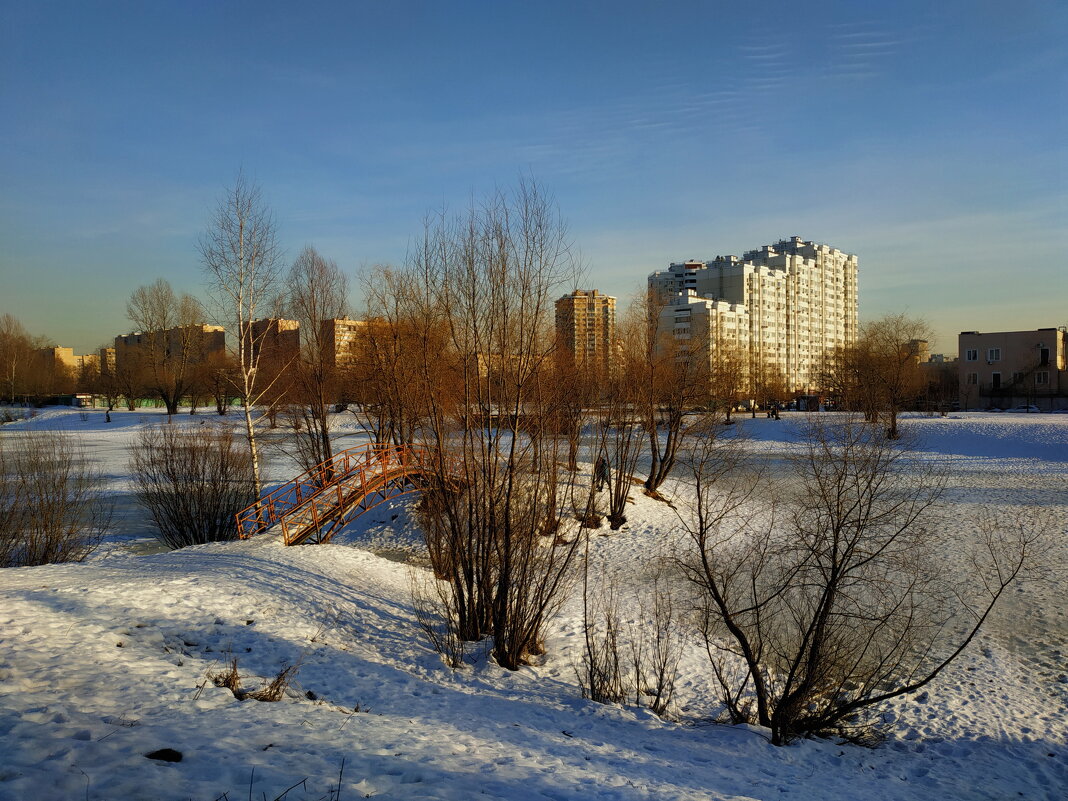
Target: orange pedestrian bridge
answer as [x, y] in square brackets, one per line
[318, 503]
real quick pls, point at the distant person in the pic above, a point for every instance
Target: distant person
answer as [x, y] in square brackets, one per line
[601, 472]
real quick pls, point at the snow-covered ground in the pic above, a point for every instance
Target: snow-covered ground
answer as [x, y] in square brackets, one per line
[103, 662]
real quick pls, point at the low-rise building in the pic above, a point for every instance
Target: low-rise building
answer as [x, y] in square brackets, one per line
[1004, 369]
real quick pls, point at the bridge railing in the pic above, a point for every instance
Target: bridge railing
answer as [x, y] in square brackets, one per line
[328, 508]
[321, 488]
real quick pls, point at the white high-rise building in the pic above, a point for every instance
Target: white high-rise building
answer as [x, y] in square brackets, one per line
[800, 298]
[704, 331]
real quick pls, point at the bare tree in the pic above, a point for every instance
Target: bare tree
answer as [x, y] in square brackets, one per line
[193, 481]
[129, 377]
[242, 259]
[400, 330]
[218, 375]
[104, 383]
[602, 672]
[881, 374]
[728, 377]
[318, 291]
[16, 353]
[52, 505]
[637, 658]
[578, 389]
[672, 378]
[619, 435]
[848, 604]
[171, 339]
[492, 511]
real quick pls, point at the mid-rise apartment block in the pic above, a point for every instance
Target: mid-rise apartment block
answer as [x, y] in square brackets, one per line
[800, 298]
[339, 337]
[586, 328]
[193, 343]
[52, 359]
[1010, 368]
[106, 360]
[275, 340]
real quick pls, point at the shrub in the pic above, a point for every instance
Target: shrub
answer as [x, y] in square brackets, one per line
[192, 481]
[51, 505]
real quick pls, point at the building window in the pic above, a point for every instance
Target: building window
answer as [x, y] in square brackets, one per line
[993, 354]
[973, 379]
[1043, 356]
[995, 380]
[1042, 378]
[971, 355]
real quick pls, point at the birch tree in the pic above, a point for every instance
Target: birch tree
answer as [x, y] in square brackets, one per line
[242, 261]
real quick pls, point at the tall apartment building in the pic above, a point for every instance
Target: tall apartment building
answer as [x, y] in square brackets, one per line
[275, 340]
[705, 329]
[197, 341]
[801, 299]
[586, 327]
[339, 340]
[1009, 368]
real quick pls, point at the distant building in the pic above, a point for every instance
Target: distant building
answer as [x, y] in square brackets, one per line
[57, 369]
[51, 359]
[586, 327]
[89, 362]
[941, 385]
[106, 358]
[1013, 368]
[800, 298]
[338, 336]
[275, 340]
[195, 343]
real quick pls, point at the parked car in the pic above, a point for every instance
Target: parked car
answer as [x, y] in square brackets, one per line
[1025, 408]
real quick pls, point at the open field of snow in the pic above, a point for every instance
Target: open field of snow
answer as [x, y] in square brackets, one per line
[105, 661]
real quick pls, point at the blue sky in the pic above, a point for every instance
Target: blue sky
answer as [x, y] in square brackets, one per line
[931, 139]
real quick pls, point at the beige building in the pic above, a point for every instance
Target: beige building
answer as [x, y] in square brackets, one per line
[52, 359]
[339, 337]
[57, 370]
[801, 300]
[106, 359]
[1013, 368]
[54, 371]
[276, 340]
[197, 341]
[89, 362]
[586, 327]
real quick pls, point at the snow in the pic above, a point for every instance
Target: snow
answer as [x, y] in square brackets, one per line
[105, 661]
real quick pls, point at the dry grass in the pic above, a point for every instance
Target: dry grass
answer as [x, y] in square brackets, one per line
[275, 689]
[228, 678]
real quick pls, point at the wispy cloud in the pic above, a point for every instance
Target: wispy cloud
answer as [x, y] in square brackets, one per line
[862, 50]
